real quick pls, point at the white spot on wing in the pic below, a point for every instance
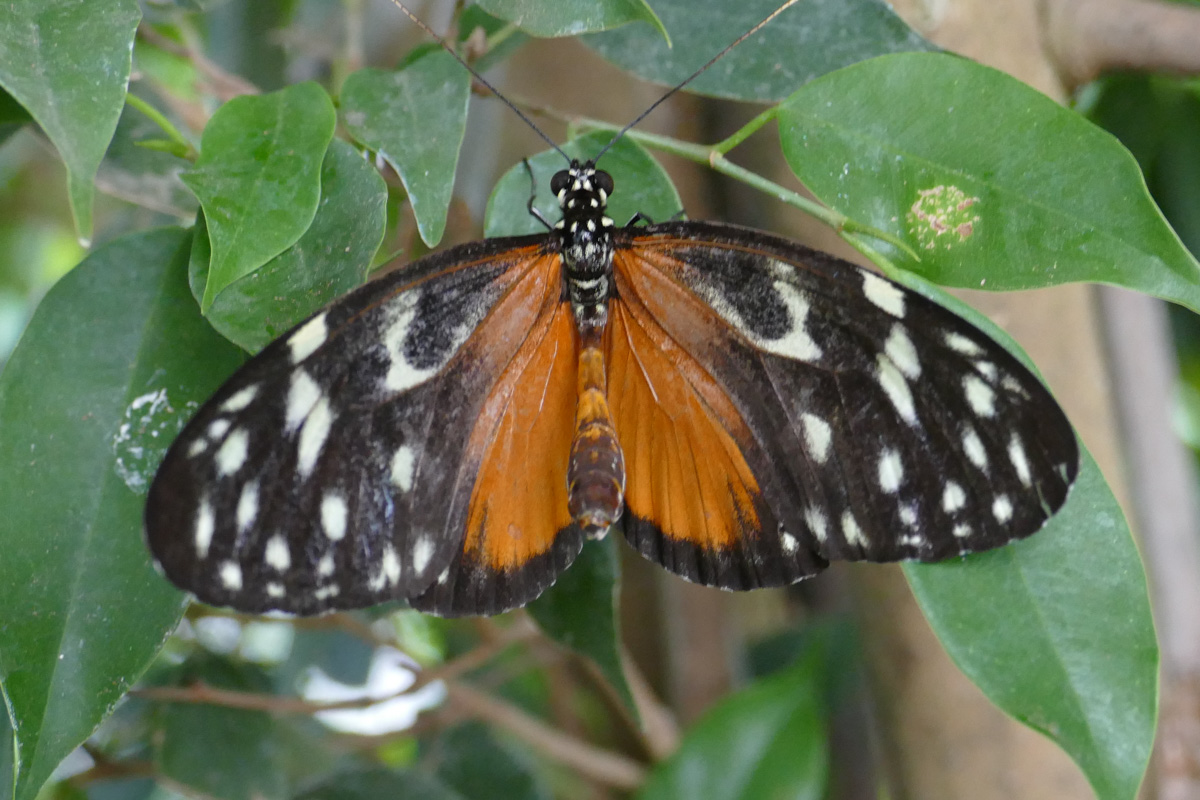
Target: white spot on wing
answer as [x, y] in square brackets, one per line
[953, 498]
[313, 436]
[1002, 507]
[790, 545]
[402, 376]
[206, 524]
[817, 435]
[231, 576]
[896, 388]
[962, 531]
[1020, 462]
[883, 294]
[796, 344]
[963, 345]
[247, 507]
[403, 464]
[303, 394]
[973, 447]
[232, 454]
[853, 533]
[899, 348]
[817, 523]
[326, 592]
[275, 590]
[334, 516]
[908, 514]
[390, 566]
[240, 399]
[980, 396]
[422, 552]
[891, 471]
[325, 566]
[307, 338]
[277, 555]
[217, 429]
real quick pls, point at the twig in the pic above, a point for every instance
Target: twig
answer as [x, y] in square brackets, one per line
[603, 766]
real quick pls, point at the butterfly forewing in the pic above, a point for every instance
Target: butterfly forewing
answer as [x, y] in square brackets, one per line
[878, 425]
[329, 471]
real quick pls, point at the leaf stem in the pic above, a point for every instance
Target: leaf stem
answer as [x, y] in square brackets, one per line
[182, 147]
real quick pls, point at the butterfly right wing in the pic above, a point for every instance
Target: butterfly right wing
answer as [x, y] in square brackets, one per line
[334, 469]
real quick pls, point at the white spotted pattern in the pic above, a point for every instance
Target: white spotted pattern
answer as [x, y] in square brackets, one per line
[797, 344]
[963, 345]
[277, 555]
[325, 566]
[390, 566]
[303, 394]
[240, 399]
[953, 498]
[206, 524]
[896, 388]
[275, 590]
[334, 516]
[232, 454]
[790, 545]
[247, 507]
[980, 396]
[899, 348]
[908, 514]
[1002, 508]
[422, 552]
[817, 523]
[883, 294]
[307, 338]
[962, 530]
[402, 376]
[891, 471]
[852, 532]
[404, 462]
[817, 435]
[313, 436]
[231, 576]
[973, 447]
[1020, 462]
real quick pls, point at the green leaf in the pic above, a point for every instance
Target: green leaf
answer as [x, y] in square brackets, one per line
[373, 784]
[229, 753]
[258, 178]
[414, 118]
[808, 40]
[332, 257]
[477, 765]
[580, 612]
[993, 184]
[68, 64]
[1056, 630]
[641, 186]
[91, 398]
[142, 176]
[572, 17]
[13, 116]
[767, 740]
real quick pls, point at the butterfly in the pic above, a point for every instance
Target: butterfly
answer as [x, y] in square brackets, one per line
[742, 408]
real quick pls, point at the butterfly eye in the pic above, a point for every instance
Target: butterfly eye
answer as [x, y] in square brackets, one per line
[604, 181]
[560, 181]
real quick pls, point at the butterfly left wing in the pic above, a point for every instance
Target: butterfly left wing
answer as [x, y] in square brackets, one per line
[871, 423]
[334, 469]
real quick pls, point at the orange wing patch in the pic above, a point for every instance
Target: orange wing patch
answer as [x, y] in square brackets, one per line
[678, 428]
[522, 440]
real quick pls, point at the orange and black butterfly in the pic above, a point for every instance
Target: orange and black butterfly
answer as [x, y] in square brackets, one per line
[742, 408]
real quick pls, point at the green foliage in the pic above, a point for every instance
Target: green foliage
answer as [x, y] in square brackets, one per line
[1056, 630]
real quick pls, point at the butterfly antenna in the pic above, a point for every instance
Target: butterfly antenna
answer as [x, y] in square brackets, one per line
[525, 117]
[694, 75]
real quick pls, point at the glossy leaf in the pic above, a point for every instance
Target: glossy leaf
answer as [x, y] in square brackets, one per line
[573, 17]
[641, 187]
[228, 753]
[993, 184]
[414, 118]
[767, 740]
[1056, 630]
[332, 257]
[258, 177]
[807, 40]
[580, 612]
[91, 397]
[477, 765]
[376, 783]
[68, 64]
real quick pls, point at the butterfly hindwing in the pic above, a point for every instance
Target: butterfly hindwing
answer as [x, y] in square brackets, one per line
[878, 425]
[327, 472]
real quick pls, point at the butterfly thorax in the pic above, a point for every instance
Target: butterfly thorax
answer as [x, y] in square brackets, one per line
[586, 233]
[596, 471]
